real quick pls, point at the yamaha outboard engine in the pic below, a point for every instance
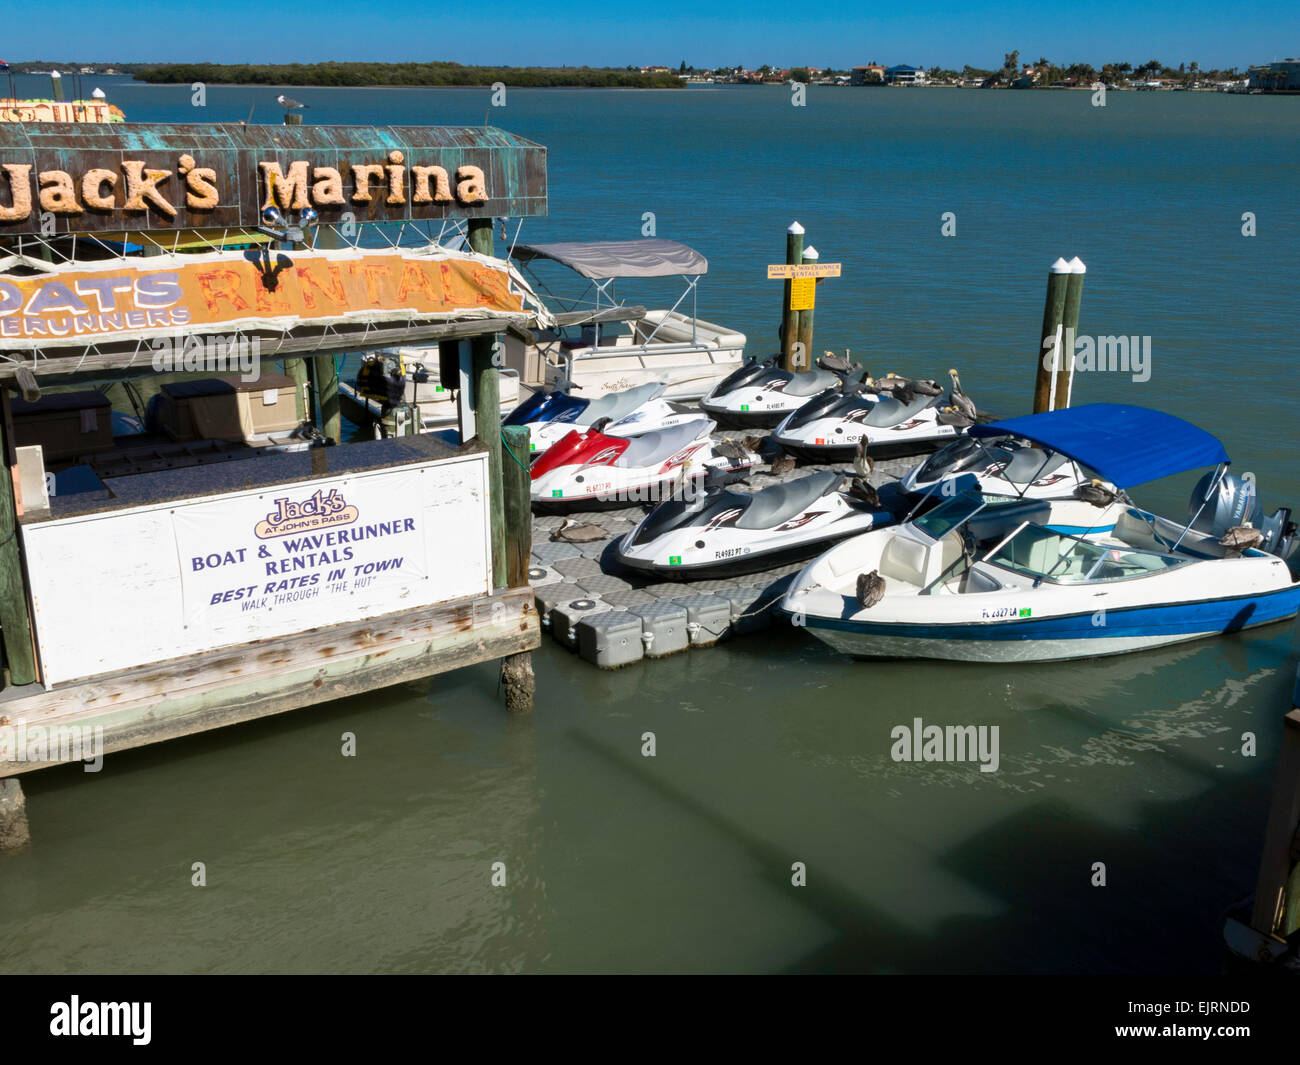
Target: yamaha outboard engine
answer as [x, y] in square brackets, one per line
[1236, 502]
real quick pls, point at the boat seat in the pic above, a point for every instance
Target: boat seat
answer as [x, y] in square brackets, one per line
[1031, 462]
[812, 382]
[657, 446]
[618, 405]
[781, 502]
[889, 411]
[903, 559]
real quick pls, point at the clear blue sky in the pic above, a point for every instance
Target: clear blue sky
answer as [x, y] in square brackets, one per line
[946, 33]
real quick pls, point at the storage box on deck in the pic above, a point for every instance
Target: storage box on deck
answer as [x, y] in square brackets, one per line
[227, 408]
[64, 424]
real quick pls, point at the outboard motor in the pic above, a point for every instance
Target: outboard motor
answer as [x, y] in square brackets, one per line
[1235, 502]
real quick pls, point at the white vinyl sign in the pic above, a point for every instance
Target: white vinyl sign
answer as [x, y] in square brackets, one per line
[127, 588]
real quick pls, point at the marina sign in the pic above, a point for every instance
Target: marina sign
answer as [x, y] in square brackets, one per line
[83, 178]
[131, 299]
[787, 271]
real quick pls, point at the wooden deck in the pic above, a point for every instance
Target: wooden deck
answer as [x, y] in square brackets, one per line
[197, 693]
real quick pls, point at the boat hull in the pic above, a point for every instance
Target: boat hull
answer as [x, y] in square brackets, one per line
[1052, 639]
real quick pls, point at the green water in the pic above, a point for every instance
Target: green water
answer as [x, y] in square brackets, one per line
[771, 750]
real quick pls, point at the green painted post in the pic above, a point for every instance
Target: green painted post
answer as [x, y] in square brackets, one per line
[1069, 329]
[327, 397]
[789, 318]
[487, 410]
[15, 623]
[810, 257]
[1053, 313]
[516, 483]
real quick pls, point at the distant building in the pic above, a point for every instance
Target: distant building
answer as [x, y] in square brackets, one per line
[870, 74]
[1283, 75]
[904, 75]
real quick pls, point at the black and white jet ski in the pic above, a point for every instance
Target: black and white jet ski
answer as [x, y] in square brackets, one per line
[590, 468]
[716, 530]
[1003, 467]
[761, 394]
[894, 415]
[553, 414]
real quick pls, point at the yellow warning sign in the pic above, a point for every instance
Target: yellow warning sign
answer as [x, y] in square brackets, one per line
[803, 293]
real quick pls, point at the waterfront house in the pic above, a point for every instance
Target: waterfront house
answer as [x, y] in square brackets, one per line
[904, 75]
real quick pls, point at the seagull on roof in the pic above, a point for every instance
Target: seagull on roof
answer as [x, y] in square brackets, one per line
[288, 102]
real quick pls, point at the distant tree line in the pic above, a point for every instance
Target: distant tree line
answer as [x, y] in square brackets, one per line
[407, 74]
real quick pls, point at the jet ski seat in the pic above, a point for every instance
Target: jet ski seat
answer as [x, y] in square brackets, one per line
[1032, 463]
[781, 502]
[889, 411]
[812, 382]
[618, 405]
[657, 446]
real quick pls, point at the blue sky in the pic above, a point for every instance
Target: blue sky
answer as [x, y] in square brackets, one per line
[944, 33]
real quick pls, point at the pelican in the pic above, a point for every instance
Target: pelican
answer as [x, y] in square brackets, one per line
[862, 461]
[579, 532]
[1096, 493]
[863, 491]
[782, 465]
[1241, 538]
[288, 102]
[871, 588]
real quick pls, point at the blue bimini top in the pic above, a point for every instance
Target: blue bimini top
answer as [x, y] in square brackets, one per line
[1126, 445]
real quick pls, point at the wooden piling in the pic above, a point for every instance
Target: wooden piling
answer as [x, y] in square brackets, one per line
[516, 484]
[1283, 822]
[789, 317]
[1069, 329]
[296, 371]
[327, 397]
[15, 622]
[487, 411]
[1051, 339]
[15, 832]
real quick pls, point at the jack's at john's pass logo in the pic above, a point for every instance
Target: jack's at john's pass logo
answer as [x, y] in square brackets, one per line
[321, 510]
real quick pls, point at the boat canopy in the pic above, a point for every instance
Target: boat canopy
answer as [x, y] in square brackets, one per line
[1126, 445]
[600, 260]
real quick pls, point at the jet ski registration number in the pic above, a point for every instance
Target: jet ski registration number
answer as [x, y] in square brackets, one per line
[731, 552]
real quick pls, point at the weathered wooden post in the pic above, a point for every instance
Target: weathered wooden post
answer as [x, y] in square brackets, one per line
[1069, 328]
[327, 397]
[1272, 905]
[15, 623]
[14, 830]
[789, 316]
[487, 410]
[296, 370]
[1051, 340]
[517, 670]
[810, 258]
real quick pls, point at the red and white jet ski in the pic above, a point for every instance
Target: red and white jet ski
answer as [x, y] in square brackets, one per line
[590, 468]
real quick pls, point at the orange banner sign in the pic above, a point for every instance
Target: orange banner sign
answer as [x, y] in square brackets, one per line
[130, 299]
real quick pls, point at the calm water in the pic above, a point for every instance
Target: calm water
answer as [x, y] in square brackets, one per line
[772, 749]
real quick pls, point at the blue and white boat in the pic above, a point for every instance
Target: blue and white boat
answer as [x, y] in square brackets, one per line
[1033, 580]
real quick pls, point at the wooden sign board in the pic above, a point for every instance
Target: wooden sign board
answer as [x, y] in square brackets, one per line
[785, 271]
[77, 177]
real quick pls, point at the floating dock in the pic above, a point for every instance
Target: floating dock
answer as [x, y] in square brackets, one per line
[611, 616]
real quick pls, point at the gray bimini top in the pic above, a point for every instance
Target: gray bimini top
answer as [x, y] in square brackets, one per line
[599, 260]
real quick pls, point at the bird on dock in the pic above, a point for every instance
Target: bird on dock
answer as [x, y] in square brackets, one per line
[289, 103]
[579, 532]
[781, 466]
[871, 589]
[1241, 538]
[863, 463]
[753, 443]
[960, 411]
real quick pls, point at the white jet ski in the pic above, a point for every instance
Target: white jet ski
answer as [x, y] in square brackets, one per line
[761, 394]
[553, 414]
[591, 468]
[704, 533]
[1007, 466]
[908, 419]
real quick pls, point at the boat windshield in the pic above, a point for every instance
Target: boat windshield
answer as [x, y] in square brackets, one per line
[1062, 559]
[949, 514]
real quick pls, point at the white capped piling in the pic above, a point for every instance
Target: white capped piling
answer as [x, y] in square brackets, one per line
[789, 316]
[1051, 339]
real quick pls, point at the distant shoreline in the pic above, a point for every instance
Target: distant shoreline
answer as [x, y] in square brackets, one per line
[403, 76]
